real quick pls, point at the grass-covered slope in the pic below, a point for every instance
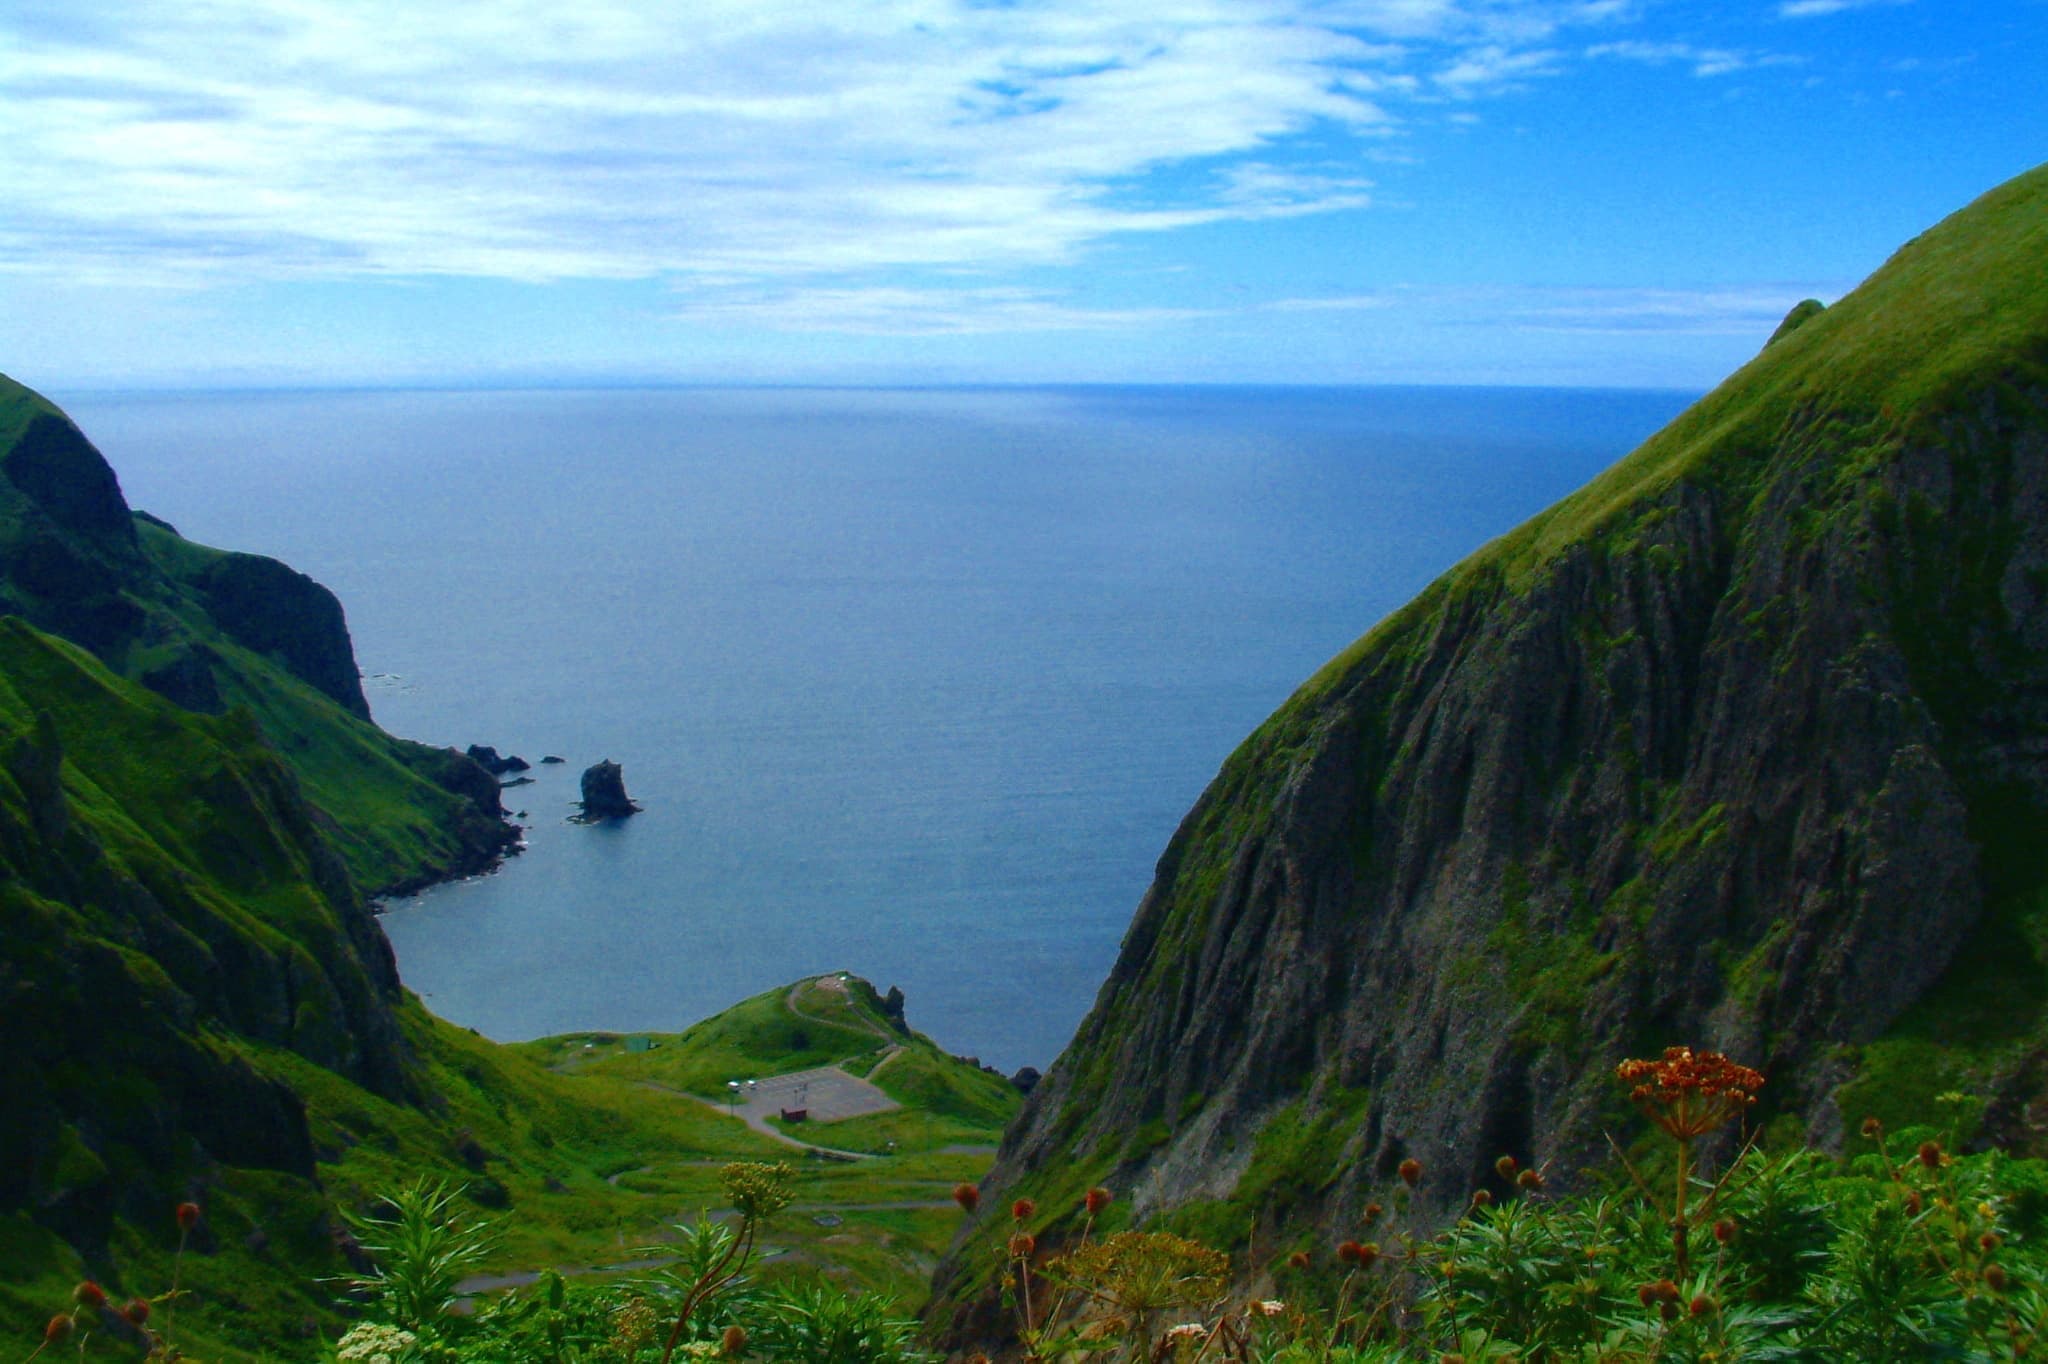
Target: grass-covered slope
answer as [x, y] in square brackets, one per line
[1739, 745]
[210, 630]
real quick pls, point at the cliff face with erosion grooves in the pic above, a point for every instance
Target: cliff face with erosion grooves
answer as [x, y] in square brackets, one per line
[1745, 745]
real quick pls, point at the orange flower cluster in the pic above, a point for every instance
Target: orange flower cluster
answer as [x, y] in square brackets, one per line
[1690, 1093]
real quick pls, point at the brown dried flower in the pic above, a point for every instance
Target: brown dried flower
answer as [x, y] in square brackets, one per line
[1659, 1291]
[1688, 1094]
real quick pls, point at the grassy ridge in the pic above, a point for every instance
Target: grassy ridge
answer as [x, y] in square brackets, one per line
[1963, 303]
[136, 595]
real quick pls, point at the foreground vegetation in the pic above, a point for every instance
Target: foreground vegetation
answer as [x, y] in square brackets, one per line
[1900, 1250]
[588, 1167]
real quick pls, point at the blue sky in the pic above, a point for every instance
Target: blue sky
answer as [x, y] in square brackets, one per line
[1601, 192]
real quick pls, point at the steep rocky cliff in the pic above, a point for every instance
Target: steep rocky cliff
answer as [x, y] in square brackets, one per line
[210, 629]
[192, 799]
[1743, 745]
[168, 902]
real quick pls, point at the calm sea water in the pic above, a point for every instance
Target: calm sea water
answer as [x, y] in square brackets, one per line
[914, 684]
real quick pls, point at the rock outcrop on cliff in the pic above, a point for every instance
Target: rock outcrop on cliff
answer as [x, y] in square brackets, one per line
[1745, 745]
[209, 630]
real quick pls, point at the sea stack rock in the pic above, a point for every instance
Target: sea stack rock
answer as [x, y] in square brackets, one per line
[604, 792]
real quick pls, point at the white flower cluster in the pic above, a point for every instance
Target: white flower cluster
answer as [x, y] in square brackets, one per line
[375, 1343]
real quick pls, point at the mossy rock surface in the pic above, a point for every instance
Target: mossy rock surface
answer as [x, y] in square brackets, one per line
[1733, 747]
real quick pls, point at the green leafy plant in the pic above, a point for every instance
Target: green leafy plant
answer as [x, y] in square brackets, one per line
[817, 1324]
[718, 1258]
[422, 1248]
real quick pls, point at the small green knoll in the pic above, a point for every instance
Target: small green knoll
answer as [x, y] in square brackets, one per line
[834, 1021]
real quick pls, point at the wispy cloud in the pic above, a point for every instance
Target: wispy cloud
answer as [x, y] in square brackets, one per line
[1494, 68]
[1704, 61]
[884, 310]
[1811, 9]
[1722, 311]
[748, 139]
[941, 310]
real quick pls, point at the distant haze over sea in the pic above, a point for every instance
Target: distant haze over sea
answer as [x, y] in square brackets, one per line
[912, 683]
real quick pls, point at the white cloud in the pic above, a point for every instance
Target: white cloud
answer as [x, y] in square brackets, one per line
[1704, 61]
[1811, 9]
[892, 310]
[900, 311]
[743, 139]
[1722, 311]
[1493, 68]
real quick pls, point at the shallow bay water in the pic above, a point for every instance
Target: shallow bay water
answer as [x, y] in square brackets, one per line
[911, 683]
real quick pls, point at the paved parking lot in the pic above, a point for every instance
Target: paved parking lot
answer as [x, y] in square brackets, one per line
[828, 1093]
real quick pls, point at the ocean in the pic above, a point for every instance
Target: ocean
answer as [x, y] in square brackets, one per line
[911, 683]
